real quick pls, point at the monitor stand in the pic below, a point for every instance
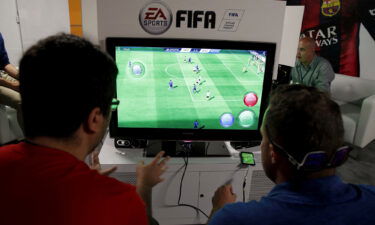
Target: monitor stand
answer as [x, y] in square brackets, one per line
[192, 148]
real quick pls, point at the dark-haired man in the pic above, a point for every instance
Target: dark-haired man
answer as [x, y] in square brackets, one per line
[310, 69]
[67, 87]
[302, 132]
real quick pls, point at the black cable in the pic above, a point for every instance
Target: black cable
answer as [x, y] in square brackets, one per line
[206, 150]
[182, 178]
[196, 208]
[244, 184]
[186, 160]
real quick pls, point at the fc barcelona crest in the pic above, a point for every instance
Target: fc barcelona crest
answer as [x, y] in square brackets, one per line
[330, 7]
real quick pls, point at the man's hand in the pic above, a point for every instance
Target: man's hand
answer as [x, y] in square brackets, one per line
[149, 175]
[223, 195]
[12, 71]
[95, 165]
[14, 85]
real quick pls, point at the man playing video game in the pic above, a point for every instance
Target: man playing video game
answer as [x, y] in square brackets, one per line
[302, 135]
[44, 179]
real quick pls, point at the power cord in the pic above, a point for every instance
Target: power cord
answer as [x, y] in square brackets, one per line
[244, 184]
[187, 149]
[206, 149]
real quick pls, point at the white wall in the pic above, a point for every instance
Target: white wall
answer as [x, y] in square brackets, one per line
[10, 30]
[42, 18]
[90, 20]
[291, 29]
[366, 54]
[37, 19]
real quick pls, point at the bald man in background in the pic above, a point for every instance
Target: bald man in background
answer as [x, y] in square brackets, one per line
[310, 69]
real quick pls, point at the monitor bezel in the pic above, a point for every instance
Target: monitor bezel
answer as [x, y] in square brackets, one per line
[194, 134]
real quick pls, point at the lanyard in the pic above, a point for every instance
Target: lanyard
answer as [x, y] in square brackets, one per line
[304, 75]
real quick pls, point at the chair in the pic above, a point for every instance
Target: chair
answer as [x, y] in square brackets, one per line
[9, 127]
[356, 97]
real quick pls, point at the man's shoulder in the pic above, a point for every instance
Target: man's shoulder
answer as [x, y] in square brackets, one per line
[323, 65]
[368, 189]
[10, 153]
[257, 206]
[240, 212]
[63, 169]
[322, 61]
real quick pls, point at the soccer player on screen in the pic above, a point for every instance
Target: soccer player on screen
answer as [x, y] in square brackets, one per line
[197, 81]
[189, 60]
[194, 88]
[130, 64]
[196, 124]
[170, 84]
[260, 68]
[196, 68]
[208, 95]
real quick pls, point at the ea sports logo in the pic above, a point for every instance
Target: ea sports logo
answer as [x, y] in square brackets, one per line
[155, 18]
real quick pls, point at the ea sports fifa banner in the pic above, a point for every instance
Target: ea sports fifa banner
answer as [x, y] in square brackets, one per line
[246, 20]
[334, 24]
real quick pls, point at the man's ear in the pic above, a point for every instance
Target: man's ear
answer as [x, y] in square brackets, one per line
[273, 153]
[94, 121]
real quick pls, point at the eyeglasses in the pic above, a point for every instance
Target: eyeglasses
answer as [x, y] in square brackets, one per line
[114, 104]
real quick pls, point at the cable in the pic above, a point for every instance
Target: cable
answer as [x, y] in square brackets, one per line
[206, 150]
[187, 148]
[182, 178]
[196, 208]
[244, 184]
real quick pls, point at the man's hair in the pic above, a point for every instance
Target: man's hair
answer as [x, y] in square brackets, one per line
[303, 119]
[62, 79]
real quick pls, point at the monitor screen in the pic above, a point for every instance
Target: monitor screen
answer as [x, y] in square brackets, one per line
[190, 89]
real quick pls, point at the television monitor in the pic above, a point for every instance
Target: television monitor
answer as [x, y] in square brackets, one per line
[178, 89]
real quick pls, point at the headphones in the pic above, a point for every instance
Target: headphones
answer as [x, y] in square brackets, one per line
[316, 160]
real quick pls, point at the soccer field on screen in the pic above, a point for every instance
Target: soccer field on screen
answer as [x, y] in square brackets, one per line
[155, 87]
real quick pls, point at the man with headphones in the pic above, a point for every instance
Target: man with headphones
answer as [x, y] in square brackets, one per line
[301, 146]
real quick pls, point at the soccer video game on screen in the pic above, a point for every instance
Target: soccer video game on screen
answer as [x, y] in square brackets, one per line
[189, 88]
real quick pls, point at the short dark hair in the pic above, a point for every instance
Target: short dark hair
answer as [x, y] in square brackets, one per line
[303, 119]
[62, 78]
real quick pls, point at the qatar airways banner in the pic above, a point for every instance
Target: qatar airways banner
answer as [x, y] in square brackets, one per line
[335, 25]
[246, 20]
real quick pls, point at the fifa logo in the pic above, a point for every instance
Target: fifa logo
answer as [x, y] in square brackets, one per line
[193, 18]
[155, 18]
[233, 14]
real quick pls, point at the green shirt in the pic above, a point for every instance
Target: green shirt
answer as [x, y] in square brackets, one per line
[318, 74]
